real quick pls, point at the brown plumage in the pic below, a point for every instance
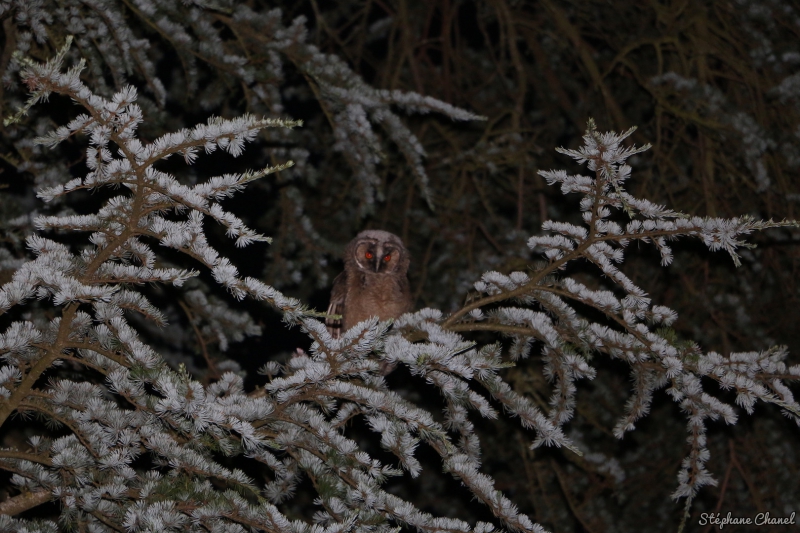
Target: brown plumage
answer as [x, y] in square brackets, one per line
[373, 282]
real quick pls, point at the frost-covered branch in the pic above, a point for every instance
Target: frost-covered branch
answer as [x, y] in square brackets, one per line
[635, 330]
[294, 428]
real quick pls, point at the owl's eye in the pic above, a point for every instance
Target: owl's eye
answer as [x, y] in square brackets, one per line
[387, 257]
[368, 255]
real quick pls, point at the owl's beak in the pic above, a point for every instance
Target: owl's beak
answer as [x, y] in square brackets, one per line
[377, 265]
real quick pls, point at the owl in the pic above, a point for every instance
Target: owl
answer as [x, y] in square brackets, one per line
[373, 282]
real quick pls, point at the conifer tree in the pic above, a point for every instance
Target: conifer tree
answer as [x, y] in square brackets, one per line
[129, 400]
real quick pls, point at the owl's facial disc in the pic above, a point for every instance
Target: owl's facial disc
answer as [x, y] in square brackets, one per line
[377, 257]
[365, 256]
[386, 260]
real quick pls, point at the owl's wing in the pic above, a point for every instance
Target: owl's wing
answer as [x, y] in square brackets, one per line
[336, 307]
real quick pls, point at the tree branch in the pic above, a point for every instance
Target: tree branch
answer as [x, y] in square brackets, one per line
[22, 502]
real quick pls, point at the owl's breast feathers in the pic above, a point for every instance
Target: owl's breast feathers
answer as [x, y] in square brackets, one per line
[364, 295]
[378, 295]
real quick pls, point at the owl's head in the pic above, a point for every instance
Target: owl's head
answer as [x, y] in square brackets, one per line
[377, 252]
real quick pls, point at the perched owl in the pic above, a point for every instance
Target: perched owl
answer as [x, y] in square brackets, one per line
[373, 283]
